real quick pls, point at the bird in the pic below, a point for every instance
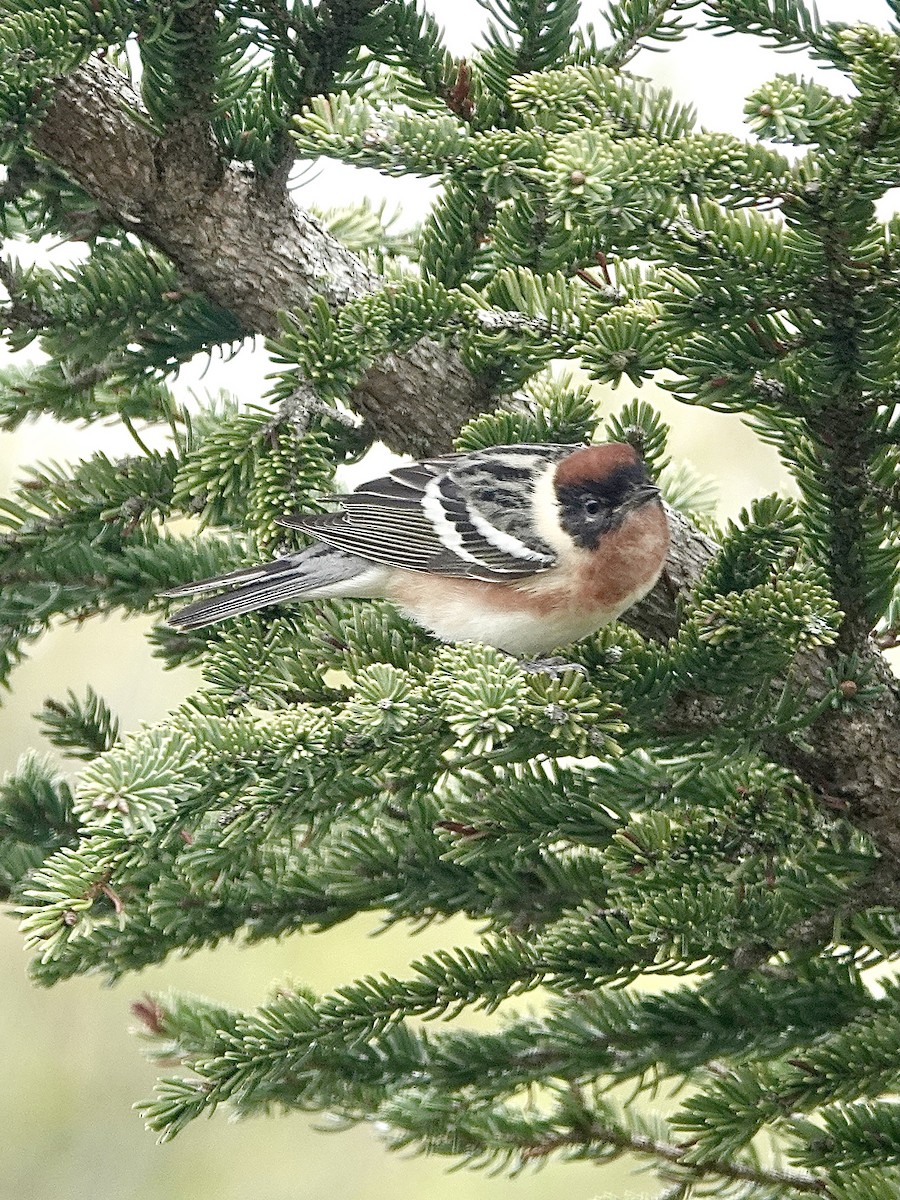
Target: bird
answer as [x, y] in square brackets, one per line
[527, 548]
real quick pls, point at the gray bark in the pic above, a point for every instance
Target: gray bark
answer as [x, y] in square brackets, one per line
[239, 238]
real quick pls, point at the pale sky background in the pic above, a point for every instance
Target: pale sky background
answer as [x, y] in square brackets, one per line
[71, 1069]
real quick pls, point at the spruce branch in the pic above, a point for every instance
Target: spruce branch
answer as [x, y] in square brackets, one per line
[525, 36]
[404, 398]
[320, 41]
[788, 23]
[37, 817]
[84, 728]
[850, 759]
[181, 66]
[240, 240]
[444, 1092]
[19, 314]
[314, 50]
[633, 23]
[599, 1134]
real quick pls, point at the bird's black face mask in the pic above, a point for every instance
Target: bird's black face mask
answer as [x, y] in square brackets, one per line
[590, 509]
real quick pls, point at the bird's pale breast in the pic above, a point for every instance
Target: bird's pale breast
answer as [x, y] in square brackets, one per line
[551, 608]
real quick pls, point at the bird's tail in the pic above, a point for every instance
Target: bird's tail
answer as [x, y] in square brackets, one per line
[316, 573]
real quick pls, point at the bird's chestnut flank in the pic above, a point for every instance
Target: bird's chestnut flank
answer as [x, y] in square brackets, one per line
[526, 548]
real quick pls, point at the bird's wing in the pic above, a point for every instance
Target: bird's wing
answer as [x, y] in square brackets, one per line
[461, 514]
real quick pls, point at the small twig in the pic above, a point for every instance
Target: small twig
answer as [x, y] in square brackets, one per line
[99, 372]
[622, 52]
[18, 312]
[492, 321]
[882, 886]
[638, 1143]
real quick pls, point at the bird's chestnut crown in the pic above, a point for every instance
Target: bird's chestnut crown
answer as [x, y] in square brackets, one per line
[597, 487]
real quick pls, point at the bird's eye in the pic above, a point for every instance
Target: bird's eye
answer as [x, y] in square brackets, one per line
[591, 505]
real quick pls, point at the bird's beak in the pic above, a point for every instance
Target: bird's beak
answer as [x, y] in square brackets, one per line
[642, 494]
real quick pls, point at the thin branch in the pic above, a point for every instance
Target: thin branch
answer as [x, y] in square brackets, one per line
[880, 888]
[620, 53]
[18, 314]
[240, 240]
[641, 1144]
